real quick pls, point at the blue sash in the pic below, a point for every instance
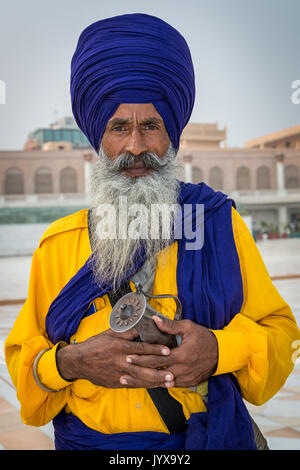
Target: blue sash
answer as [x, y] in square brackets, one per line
[210, 288]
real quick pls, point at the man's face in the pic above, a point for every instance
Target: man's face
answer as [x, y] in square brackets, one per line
[135, 129]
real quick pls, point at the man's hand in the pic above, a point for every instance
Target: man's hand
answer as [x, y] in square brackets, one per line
[192, 362]
[101, 359]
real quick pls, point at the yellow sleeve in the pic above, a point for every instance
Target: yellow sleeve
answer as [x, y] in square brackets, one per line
[257, 344]
[25, 341]
[47, 371]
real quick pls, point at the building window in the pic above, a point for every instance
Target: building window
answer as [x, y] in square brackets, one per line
[243, 178]
[197, 175]
[291, 177]
[76, 137]
[43, 181]
[48, 135]
[66, 135]
[216, 178]
[13, 181]
[68, 180]
[57, 135]
[263, 180]
[288, 144]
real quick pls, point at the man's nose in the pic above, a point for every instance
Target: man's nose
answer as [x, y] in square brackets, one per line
[135, 143]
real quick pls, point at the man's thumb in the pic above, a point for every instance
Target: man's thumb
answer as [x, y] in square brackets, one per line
[167, 326]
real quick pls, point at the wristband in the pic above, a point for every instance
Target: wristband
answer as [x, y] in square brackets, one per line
[35, 374]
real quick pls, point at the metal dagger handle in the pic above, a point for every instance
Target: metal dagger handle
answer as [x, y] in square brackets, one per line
[177, 301]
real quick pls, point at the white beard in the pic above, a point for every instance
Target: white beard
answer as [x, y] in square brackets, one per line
[113, 252]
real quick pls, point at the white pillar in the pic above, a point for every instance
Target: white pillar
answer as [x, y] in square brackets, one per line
[280, 174]
[188, 168]
[282, 219]
[88, 157]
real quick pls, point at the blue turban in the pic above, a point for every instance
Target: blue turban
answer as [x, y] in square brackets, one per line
[134, 58]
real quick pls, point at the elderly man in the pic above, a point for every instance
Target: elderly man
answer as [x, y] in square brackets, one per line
[132, 88]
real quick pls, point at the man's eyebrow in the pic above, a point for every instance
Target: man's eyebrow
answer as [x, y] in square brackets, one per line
[152, 120]
[117, 120]
[120, 121]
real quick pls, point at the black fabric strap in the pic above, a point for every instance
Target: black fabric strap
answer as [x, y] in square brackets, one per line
[114, 296]
[169, 409]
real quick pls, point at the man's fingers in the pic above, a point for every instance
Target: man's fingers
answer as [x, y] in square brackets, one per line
[139, 347]
[150, 361]
[128, 346]
[130, 382]
[146, 378]
[128, 335]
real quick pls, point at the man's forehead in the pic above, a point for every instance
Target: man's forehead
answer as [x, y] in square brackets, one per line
[140, 112]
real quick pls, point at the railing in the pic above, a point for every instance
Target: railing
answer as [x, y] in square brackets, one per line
[43, 199]
[256, 195]
[255, 192]
[14, 200]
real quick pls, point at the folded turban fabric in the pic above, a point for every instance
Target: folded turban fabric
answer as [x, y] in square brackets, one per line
[134, 58]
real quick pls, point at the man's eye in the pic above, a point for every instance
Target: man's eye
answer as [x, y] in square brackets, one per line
[119, 128]
[151, 127]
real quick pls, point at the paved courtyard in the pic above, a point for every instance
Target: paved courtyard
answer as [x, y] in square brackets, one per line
[279, 419]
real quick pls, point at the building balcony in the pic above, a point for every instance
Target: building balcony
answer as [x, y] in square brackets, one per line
[266, 196]
[37, 200]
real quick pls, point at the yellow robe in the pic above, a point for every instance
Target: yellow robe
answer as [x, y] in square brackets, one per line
[256, 345]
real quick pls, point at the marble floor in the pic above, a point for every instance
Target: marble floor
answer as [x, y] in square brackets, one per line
[278, 419]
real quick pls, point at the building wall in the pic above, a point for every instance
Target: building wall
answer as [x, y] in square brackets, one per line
[203, 135]
[292, 142]
[30, 161]
[229, 160]
[270, 192]
[283, 139]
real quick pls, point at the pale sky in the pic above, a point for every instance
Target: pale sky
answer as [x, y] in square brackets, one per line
[246, 56]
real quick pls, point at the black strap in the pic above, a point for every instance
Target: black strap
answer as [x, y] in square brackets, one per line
[169, 409]
[114, 296]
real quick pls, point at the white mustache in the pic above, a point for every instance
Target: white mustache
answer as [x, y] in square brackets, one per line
[127, 160]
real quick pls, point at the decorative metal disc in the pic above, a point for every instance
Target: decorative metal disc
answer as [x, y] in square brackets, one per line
[127, 312]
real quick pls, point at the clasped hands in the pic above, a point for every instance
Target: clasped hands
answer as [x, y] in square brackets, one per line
[114, 360]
